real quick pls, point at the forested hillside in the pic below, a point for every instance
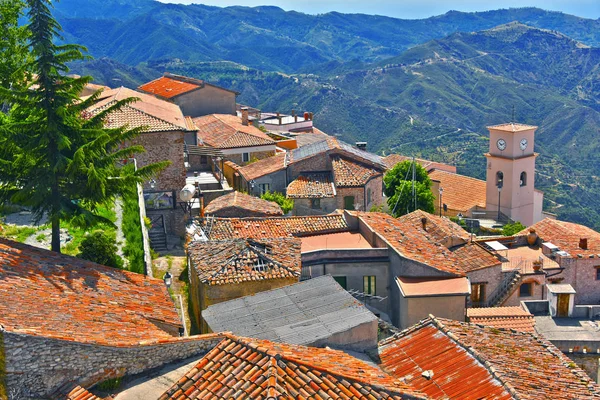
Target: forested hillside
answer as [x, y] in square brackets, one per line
[383, 80]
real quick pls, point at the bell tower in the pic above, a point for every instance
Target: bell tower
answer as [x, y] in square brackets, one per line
[510, 183]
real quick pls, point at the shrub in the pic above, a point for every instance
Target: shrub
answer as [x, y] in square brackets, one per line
[286, 204]
[511, 229]
[132, 230]
[100, 248]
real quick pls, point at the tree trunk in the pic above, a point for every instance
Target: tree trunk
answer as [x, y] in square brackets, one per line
[56, 234]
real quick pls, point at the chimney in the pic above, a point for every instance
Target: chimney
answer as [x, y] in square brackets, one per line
[424, 223]
[361, 145]
[245, 116]
[295, 118]
[310, 115]
[583, 244]
[293, 113]
[279, 117]
[306, 116]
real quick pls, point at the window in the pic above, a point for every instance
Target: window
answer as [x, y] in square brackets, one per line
[499, 179]
[264, 187]
[259, 265]
[315, 204]
[477, 294]
[245, 157]
[526, 289]
[348, 202]
[523, 179]
[341, 280]
[598, 273]
[369, 285]
[203, 160]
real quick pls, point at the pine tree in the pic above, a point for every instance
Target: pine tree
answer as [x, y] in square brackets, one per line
[55, 157]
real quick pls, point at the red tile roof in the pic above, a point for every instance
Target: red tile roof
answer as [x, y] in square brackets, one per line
[241, 260]
[314, 185]
[348, 173]
[242, 368]
[243, 201]
[473, 257]
[225, 131]
[416, 287]
[566, 236]
[230, 228]
[469, 361]
[503, 317]
[168, 87]
[63, 297]
[154, 114]
[393, 159]
[512, 127]
[413, 242]
[461, 192]
[264, 167]
[440, 228]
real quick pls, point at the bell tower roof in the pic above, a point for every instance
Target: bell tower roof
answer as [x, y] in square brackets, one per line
[512, 127]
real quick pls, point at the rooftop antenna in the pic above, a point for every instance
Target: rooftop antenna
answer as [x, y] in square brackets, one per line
[513, 114]
[413, 184]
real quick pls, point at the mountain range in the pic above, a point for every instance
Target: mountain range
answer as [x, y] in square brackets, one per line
[418, 87]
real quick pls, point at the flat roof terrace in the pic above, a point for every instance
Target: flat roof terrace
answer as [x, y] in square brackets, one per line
[522, 258]
[339, 240]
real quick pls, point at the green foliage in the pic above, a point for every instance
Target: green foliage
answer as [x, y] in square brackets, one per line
[399, 189]
[18, 233]
[109, 384]
[100, 248]
[513, 228]
[56, 158]
[286, 204]
[14, 54]
[132, 230]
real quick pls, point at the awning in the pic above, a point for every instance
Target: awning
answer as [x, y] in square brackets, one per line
[497, 246]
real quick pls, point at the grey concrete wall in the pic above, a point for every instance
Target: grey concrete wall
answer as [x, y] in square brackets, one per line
[586, 311]
[303, 206]
[277, 180]
[205, 101]
[360, 338]
[414, 309]
[589, 363]
[38, 366]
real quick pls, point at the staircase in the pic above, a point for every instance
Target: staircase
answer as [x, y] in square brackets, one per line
[510, 282]
[158, 234]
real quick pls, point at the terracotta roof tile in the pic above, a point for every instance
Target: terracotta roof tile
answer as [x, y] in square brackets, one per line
[243, 201]
[225, 131]
[78, 393]
[264, 167]
[243, 368]
[566, 236]
[440, 228]
[460, 192]
[59, 296]
[348, 173]
[503, 317]
[512, 127]
[168, 87]
[470, 361]
[393, 159]
[240, 260]
[315, 185]
[473, 257]
[412, 242]
[273, 227]
[154, 114]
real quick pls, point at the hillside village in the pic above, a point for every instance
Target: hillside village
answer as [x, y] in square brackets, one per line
[241, 253]
[328, 299]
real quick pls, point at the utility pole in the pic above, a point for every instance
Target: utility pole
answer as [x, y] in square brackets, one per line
[413, 185]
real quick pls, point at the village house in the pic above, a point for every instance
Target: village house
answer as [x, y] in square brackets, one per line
[513, 317]
[320, 177]
[163, 137]
[317, 312]
[195, 97]
[228, 269]
[241, 205]
[445, 359]
[238, 141]
[65, 320]
[400, 268]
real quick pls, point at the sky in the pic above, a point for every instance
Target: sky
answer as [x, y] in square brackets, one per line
[411, 9]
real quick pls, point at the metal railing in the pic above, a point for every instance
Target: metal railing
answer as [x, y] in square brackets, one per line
[508, 281]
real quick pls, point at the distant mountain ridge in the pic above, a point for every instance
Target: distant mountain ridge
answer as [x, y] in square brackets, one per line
[270, 38]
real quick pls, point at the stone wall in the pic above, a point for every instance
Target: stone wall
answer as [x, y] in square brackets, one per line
[538, 290]
[588, 363]
[37, 366]
[491, 277]
[357, 192]
[304, 206]
[375, 185]
[320, 162]
[161, 146]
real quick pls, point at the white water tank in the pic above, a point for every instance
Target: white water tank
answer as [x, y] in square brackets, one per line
[188, 192]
